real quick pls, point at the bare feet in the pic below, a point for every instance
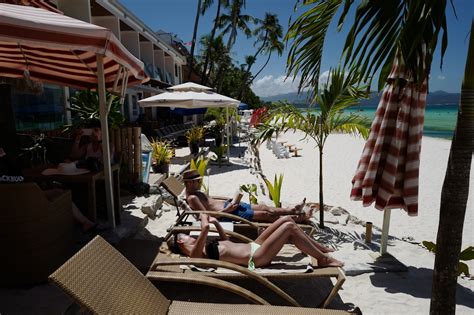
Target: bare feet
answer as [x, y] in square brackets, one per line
[328, 249]
[299, 207]
[328, 261]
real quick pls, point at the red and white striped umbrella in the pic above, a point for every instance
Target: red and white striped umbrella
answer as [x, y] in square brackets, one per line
[55, 48]
[388, 170]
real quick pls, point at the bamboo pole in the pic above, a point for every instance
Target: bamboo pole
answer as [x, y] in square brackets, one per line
[137, 154]
[123, 138]
[130, 151]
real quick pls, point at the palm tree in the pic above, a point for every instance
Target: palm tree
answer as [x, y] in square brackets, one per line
[454, 195]
[274, 45]
[218, 54]
[245, 68]
[234, 21]
[379, 30]
[231, 23]
[193, 45]
[269, 32]
[339, 94]
[206, 5]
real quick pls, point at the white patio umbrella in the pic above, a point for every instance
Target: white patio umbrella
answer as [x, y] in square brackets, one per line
[51, 47]
[192, 95]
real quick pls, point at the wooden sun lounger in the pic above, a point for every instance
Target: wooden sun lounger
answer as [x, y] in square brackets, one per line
[102, 281]
[243, 226]
[166, 263]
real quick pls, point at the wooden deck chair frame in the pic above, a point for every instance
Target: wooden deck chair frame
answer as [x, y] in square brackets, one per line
[175, 188]
[102, 281]
[169, 264]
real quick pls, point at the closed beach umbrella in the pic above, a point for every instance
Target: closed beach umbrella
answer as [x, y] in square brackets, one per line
[192, 95]
[388, 170]
[51, 47]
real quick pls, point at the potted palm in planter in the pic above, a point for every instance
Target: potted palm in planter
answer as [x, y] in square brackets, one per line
[194, 136]
[161, 153]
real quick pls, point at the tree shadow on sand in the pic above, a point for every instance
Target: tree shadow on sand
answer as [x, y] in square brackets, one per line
[335, 238]
[225, 168]
[417, 282]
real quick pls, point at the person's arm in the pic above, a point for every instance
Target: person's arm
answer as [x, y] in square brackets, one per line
[230, 208]
[219, 228]
[198, 248]
[196, 204]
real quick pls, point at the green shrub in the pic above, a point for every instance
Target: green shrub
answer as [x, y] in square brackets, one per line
[275, 189]
[465, 255]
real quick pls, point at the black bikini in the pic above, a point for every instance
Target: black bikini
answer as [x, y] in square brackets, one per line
[212, 250]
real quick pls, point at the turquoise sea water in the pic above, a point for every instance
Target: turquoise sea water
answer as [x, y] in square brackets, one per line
[440, 120]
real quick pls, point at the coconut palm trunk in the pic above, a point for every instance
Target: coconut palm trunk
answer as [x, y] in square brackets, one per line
[193, 45]
[321, 199]
[454, 197]
[252, 78]
[246, 76]
[204, 75]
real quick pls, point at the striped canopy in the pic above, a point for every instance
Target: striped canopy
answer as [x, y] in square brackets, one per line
[388, 169]
[55, 48]
[34, 3]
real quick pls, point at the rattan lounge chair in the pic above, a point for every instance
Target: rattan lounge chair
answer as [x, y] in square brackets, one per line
[36, 234]
[281, 269]
[102, 281]
[242, 226]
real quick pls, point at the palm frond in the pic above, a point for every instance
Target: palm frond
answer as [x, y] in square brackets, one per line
[308, 33]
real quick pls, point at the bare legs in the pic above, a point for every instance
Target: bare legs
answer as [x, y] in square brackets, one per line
[85, 223]
[264, 213]
[283, 230]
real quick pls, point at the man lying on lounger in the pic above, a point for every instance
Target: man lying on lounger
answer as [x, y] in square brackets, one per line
[255, 254]
[198, 200]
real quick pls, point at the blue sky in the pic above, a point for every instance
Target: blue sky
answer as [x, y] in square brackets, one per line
[177, 17]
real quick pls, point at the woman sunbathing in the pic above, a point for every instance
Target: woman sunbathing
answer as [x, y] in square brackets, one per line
[255, 254]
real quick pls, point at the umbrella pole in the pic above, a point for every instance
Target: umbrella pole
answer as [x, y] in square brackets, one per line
[105, 140]
[227, 132]
[385, 228]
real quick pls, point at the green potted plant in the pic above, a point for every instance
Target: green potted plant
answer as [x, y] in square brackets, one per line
[161, 153]
[194, 136]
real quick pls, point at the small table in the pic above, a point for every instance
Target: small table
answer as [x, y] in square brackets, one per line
[89, 179]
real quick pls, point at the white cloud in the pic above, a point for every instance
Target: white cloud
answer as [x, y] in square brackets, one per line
[324, 79]
[441, 77]
[269, 85]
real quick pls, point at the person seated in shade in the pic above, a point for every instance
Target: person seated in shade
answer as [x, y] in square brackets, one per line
[10, 172]
[90, 151]
[255, 254]
[198, 200]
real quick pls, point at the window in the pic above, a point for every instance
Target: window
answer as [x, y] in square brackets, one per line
[44, 111]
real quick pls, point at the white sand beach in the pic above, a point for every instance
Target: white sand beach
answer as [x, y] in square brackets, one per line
[375, 293]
